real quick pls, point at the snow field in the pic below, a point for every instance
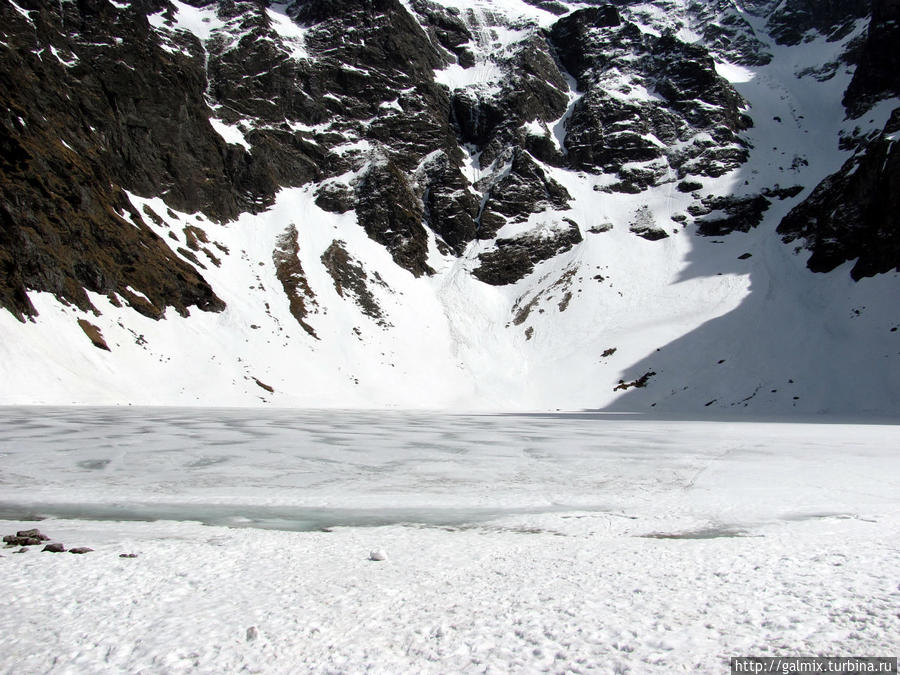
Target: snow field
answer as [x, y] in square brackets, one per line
[511, 597]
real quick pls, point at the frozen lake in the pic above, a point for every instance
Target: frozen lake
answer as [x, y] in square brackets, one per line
[301, 470]
[568, 543]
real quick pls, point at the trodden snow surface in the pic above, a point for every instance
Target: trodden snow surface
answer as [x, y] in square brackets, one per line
[513, 543]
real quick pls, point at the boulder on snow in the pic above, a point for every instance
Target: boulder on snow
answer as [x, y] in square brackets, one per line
[32, 537]
[12, 542]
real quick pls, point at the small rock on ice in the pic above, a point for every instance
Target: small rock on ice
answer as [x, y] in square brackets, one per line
[377, 555]
[252, 633]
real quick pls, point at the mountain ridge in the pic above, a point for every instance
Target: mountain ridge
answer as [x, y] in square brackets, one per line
[282, 167]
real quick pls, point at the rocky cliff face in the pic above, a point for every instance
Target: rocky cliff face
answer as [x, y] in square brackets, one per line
[651, 104]
[852, 214]
[214, 106]
[89, 108]
[146, 144]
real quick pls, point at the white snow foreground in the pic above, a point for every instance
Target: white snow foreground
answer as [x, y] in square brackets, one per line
[572, 543]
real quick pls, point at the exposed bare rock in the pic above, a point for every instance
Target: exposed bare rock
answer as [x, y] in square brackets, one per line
[639, 383]
[392, 215]
[524, 190]
[334, 197]
[513, 259]
[263, 385]
[290, 273]
[451, 208]
[736, 214]
[600, 228]
[645, 227]
[351, 280]
[94, 334]
[792, 20]
[854, 214]
[23, 540]
[730, 33]
[877, 74]
[446, 27]
[609, 132]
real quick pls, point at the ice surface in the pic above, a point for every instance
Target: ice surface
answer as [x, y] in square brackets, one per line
[306, 469]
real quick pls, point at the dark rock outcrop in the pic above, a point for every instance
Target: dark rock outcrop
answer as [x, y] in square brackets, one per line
[615, 126]
[792, 20]
[854, 214]
[639, 383]
[392, 214]
[729, 33]
[290, 273]
[101, 100]
[736, 214]
[446, 27]
[335, 197]
[94, 334]
[83, 115]
[645, 227]
[535, 90]
[451, 208]
[877, 74]
[351, 280]
[515, 258]
[525, 189]
[25, 538]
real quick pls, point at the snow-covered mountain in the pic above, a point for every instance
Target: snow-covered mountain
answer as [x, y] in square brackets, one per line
[671, 204]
